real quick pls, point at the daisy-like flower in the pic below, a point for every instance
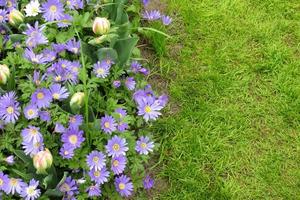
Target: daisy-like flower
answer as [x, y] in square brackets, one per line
[96, 160]
[14, 185]
[99, 176]
[144, 145]
[49, 55]
[53, 10]
[31, 134]
[73, 46]
[32, 148]
[34, 58]
[101, 69]
[31, 111]
[3, 16]
[11, 4]
[75, 4]
[130, 83]
[30, 192]
[117, 83]
[10, 160]
[118, 164]
[116, 146]
[66, 21]
[59, 128]
[9, 108]
[73, 137]
[69, 187]
[135, 66]
[152, 15]
[3, 180]
[94, 190]
[166, 20]
[59, 47]
[108, 124]
[121, 112]
[148, 182]
[41, 98]
[58, 92]
[66, 151]
[124, 186]
[122, 126]
[75, 121]
[45, 116]
[32, 9]
[145, 2]
[37, 79]
[35, 35]
[149, 108]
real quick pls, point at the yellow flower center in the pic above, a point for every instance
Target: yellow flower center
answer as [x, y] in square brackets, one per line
[147, 109]
[65, 187]
[30, 190]
[40, 95]
[13, 181]
[116, 147]
[95, 159]
[10, 110]
[122, 186]
[72, 119]
[37, 145]
[68, 2]
[9, 4]
[115, 163]
[97, 173]
[58, 78]
[1, 182]
[53, 8]
[63, 66]
[66, 152]
[143, 145]
[100, 71]
[106, 125]
[73, 139]
[75, 69]
[33, 131]
[55, 95]
[30, 112]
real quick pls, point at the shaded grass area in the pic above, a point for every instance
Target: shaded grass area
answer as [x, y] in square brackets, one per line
[234, 81]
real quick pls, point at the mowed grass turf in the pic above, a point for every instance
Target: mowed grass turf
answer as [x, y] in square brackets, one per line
[233, 128]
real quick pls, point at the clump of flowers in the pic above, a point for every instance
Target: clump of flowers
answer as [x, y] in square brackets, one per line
[75, 106]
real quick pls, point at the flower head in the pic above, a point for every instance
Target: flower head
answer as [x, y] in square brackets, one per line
[94, 191]
[101, 69]
[73, 137]
[96, 160]
[69, 187]
[123, 185]
[116, 146]
[9, 108]
[108, 124]
[118, 164]
[34, 58]
[167, 20]
[148, 182]
[66, 151]
[31, 134]
[58, 92]
[53, 10]
[117, 83]
[73, 46]
[35, 35]
[45, 116]
[10, 160]
[31, 148]
[75, 121]
[130, 83]
[152, 15]
[3, 180]
[30, 192]
[149, 108]
[3, 16]
[144, 145]
[33, 8]
[41, 98]
[99, 176]
[31, 111]
[14, 185]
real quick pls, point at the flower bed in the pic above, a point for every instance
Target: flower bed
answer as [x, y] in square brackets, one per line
[75, 104]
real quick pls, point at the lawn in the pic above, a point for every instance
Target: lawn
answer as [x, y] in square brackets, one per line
[232, 127]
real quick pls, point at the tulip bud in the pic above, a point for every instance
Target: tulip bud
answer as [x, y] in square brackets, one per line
[4, 74]
[42, 161]
[77, 99]
[15, 17]
[101, 26]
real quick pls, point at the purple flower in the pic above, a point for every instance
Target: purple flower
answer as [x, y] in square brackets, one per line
[66, 151]
[35, 35]
[135, 66]
[122, 126]
[108, 124]
[75, 121]
[69, 187]
[34, 58]
[144, 71]
[118, 164]
[96, 160]
[11, 4]
[14, 185]
[31, 134]
[41, 98]
[58, 48]
[58, 92]
[116, 146]
[144, 145]
[148, 182]
[149, 108]
[75, 4]
[66, 20]
[73, 137]
[123, 185]
[31, 111]
[151, 15]
[30, 192]
[49, 55]
[33, 148]
[121, 112]
[36, 78]
[145, 2]
[117, 84]
[162, 100]
[101, 69]
[9, 108]
[130, 83]
[10, 160]
[59, 128]
[99, 176]
[3, 180]
[3, 16]
[166, 20]
[94, 191]
[73, 46]
[45, 116]
[53, 10]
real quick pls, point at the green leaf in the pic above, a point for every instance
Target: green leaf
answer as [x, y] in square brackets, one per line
[53, 193]
[26, 159]
[16, 37]
[104, 53]
[48, 179]
[23, 175]
[124, 48]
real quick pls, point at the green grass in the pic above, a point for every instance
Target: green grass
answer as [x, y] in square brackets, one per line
[234, 127]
